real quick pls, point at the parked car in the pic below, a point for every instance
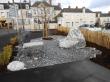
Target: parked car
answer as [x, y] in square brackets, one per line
[91, 27]
[107, 26]
[87, 26]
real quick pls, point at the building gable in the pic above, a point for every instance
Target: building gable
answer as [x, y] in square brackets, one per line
[36, 4]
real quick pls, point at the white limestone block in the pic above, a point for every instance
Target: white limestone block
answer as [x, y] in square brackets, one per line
[16, 66]
[31, 44]
[74, 37]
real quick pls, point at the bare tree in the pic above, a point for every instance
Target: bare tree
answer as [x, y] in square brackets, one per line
[44, 16]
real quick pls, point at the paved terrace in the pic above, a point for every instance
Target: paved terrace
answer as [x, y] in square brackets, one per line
[81, 71]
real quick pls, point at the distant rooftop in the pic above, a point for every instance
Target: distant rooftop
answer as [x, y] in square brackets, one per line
[56, 7]
[37, 3]
[105, 14]
[6, 5]
[76, 10]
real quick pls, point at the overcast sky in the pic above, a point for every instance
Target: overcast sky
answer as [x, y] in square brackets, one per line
[95, 5]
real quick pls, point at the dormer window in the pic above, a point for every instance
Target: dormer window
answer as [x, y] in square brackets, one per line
[16, 6]
[1, 7]
[27, 6]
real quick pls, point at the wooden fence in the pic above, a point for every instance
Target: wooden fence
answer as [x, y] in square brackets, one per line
[99, 38]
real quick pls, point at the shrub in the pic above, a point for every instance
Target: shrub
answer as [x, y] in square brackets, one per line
[62, 30]
[6, 55]
[13, 40]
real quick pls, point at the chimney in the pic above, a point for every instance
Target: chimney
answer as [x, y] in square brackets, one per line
[69, 6]
[13, 1]
[8, 2]
[83, 9]
[50, 2]
[24, 1]
[59, 4]
[108, 12]
[29, 2]
[76, 7]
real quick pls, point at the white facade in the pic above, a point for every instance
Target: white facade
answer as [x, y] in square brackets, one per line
[104, 20]
[4, 13]
[40, 12]
[44, 12]
[75, 19]
[22, 14]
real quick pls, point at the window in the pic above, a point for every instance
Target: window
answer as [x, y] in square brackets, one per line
[34, 12]
[20, 21]
[16, 6]
[26, 21]
[7, 14]
[108, 19]
[68, 24]
[1, 7]
[72, 23]
[27, 6]
[2, 13]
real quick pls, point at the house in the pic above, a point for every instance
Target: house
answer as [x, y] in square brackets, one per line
[43, 11]
[22, 17]
[104, 18]
[74, 17]
[4, 10]
[21, 8]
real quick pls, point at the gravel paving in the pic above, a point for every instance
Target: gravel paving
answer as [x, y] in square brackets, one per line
[50, 54]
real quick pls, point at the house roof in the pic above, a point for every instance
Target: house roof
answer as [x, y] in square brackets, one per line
[105, 14]
[37, 3]
[20, 5]
[56, 7]
[76, 10]
[59, 15]
[6, 5]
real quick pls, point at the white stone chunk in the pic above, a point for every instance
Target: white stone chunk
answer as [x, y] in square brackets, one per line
[31, 44]
[74, 37]
[16, 66]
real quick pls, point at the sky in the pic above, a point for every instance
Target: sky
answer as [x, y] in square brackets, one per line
[95, 5]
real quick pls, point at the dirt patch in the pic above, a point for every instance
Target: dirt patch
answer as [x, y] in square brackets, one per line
[104, 58]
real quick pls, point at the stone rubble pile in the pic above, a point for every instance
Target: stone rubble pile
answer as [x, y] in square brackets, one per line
[50, 53]
[39, 53]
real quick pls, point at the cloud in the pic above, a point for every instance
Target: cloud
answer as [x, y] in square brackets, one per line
[104, 9]
[99, 3]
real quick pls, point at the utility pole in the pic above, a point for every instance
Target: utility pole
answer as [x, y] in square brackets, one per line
[21, 29]
[22, 15]
[46, 21]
